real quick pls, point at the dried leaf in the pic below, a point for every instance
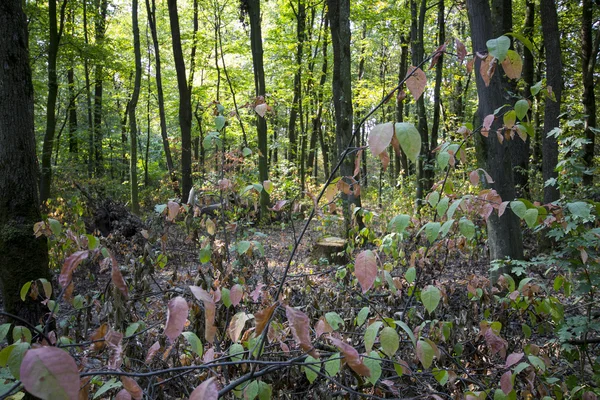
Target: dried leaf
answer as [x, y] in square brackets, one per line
[513, 358]
[261, 109]
[132, 387]
[262, 317]
[99, 334]
[176, 316]
[300, 325]
[50, 373]
[209, 311]
[117, 277]
[207, 390]
[278, 205]
[152, 351]
[474, 177]
[236, 293]
[512, 65]
[173, 210]
[437, 54]
[236, 326]
[365, 269]
[416, 82]
[72, 262]
[487, 69]
[385, 160]
[351, 356]
[123, 394]
[357, 161]
[461, 50]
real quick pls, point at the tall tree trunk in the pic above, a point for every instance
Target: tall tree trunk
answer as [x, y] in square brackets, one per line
[300, 35]
[23, 257]
[318, 121]
[55, 34]
[72, 110]
[151, 11]
[339, 18]
[88, 98]
[133, 130]
[185, 105]
[504, 233]
[589, 53]
[259, 84]
[403, 160]
[100, 27]
[437, 102]
[552, 108]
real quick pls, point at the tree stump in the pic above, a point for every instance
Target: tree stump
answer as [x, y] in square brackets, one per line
[331, 248]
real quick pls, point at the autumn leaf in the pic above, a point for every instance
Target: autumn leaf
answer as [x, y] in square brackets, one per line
[261, 109]
[152, 351]
[351, 356]
[262, 318]
[236, 326]
[300, 325]
[416, 81]
[380, 138]
[132, 387]
[177, 314]
[117, 277]
[487, 124]
[50, 373]
[365, 269]
[461, 50]
[487, 69]
[385, 160]
[209, 311]
[512, 65]
[70, 264]
[437, 54]
[173, 210]
[236, 293]
[207, 390]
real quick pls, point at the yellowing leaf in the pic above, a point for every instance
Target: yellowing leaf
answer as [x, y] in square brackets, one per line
[176, 316]
[390, 341]
[50, 374]
[365, 269]
[236, 326]
[416, 82]
[210, 227]
[512, 65]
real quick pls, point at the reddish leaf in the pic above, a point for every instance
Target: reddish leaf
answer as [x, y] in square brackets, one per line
[380, 138]
[474, 177]
[365, 269]
[132, 387]
[152, 351]
[224, 184]
[209, 311]
[122, 395]
[261, 109]
[461, 50]
[589, 396]
[98, 334]
[487, 124]
[278, 205]
[416, 82]
[173, 210]
[300, 325]
[351, 356]
[236, 326]
[512, 65]
[494, 342]
[401, 96]
[502, 207]
[513, 358]
[84, 388]
[209, 355]
[487, 68]
[470, 64]
[208, 390]
[235, 294]
[176, 316]
[117, 277]
[72, 262]
[506, 382]
[322, 327]
[437, 54]
[396, 146]
[385, 160]
[262, 317]
[50, 373]
[357, 161]
[255, 295]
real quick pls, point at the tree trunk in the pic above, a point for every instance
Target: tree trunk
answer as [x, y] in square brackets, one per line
[23, 257]
[185, 106]
[151, 11]
[54, 33]
[589, 53]
[504, 233]
[317, 123]
[72, 111]
[552, 108]
[259, 84]
[133, 180]
[100, 26]
[300, 35]
[88, 98]
[403, 160]
[339, 18]
[438, 79]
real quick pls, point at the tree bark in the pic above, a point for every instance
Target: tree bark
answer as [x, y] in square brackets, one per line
[100, 27]
[55, 34]
[554, 78]
[23, 257]
[589, 53]
[402, 160]
[72, 111]
[504, 233]
[259, 84]
[300, 35]
[131, 107]
[435, 126]
[185, 105]
[339, 19]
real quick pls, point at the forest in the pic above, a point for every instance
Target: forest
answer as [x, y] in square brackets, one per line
[317, 199]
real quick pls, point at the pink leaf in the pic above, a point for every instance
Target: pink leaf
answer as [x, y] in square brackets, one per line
[176, 316]
[209, 355]
[474, 177]
[117, 277]
[261, 109]
[380, 138]
[50, 373]
[488, 178]
[208, 390]
[502, 207]
[365, 269]
[300, 325]
[235, 294]
[152, 351]
[66, 273]
[224, 184]
[351, 356]
[132, 387]
[122, 395]
[173, 210]
[279, 205]
[506, 382]
[385, 160]
[255, 295]
[461, 50]
[416, 82]
[512, 359]
[487, 124]
[437, 54]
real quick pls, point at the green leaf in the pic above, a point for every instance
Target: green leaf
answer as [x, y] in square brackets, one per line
[371, 334]
[360, 318]
[333, 364]
[409, 139]
[373, 362]
[410, 275]
[430, 296]
[246, 151]
[580, 209]
[310, 368]
[399, 223]
[194, 342]
[236, 352]
[440, 375]
[537, 362]
[25, 290]
[21, 333]
[498, 47]
[520, 367]
[442, 206]
[519, 208]
[78, 302]
[466, 228]
[521, 108]
[55, 226]
[531, 216]
[390, 341]
[4, 328]
[265, 391]
[109, 385]
[443, 158]
[446, 226]
[131, 329]
[526, 42]
[243, 246]
[251, 391]
[408, 331]
[93, 242]
[205, 254]
[334, 320]
[226, 297]
[432, 231]
[15, 359]
[434, 197]
[453, 207]
[509, 118]
[219, 122]
[425, 353]
[535, 89]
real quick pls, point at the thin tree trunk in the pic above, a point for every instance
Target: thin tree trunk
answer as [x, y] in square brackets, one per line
[403, 160]
[437, 102]
[73, 147]
[185, 106]
[55, 34]
[23, 257]
[317, 122]
[589, 53]
[259, 84]
[90, 120]
[131, 107]
[100, 27]
[552, 108]
[296, 102]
